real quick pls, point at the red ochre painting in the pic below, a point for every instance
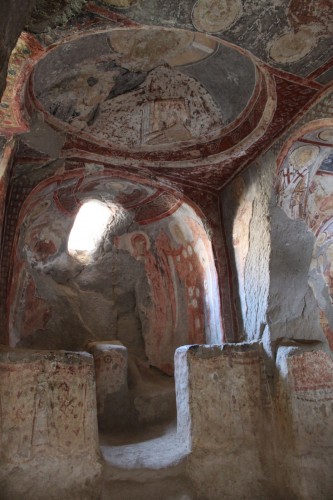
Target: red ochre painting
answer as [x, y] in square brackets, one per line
[305, 191]
[172, 290]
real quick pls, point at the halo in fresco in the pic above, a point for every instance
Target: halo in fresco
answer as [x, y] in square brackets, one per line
[214, 16]
[303, 156]
[321, 239]
[172, 47]
[326, 135]
[293, 46]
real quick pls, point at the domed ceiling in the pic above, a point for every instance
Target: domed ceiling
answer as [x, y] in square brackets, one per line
[153, 90]
[192, 99]
[177, 96]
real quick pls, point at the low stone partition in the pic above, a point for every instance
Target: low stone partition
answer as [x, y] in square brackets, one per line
[221, 393]
[304, 403]
[111, 365]
[250, 438]
[48, 425]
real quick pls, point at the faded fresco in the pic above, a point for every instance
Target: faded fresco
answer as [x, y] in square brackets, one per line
[48, 419]
[294, 35]
[144, 89]
[309, 21]
[305, 189]
[150, 284]
[214, 16]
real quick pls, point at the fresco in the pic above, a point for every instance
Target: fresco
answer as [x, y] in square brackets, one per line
[326, 135]
[158, 113]
[322, 266]
[147, 89]
[120, 4]
[170, 294]
[180, 270]
[293, 35]
[294, 179]
[308, 158]
[305, 191]
[214, 16]
[26, 51]
[309, 20]
[327, 164]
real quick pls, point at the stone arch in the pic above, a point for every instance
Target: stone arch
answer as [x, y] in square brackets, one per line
[159, 240]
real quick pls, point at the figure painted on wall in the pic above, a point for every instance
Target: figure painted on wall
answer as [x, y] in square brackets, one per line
[176, 268]
[294, 180]
[140, 245]
[165, 122]
[186, 264]
[202, 249]
[214, 16]
[327, 329]
[309, 20]
[323, 255]
[299, 184]
[158, 112]
[159, 335]
[30, 313]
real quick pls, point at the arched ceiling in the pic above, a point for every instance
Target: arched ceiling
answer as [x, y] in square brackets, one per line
[195, 98]
[181, 95]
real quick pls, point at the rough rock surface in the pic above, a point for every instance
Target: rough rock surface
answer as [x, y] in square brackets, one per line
[247, 226]
[271, 257]
[13, 16]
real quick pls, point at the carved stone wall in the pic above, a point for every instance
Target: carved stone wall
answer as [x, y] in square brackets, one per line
[48, 432]
[251, 437]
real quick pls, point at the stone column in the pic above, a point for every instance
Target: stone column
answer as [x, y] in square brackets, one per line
[111, 365]
[222, 401]
[304, 405]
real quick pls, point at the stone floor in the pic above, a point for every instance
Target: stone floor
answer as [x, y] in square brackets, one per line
[145, 464]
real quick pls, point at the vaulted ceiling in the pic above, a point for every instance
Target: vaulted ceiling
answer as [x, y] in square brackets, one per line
[185, 92]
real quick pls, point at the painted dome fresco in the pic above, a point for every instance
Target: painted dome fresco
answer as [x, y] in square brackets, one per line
[148, 90]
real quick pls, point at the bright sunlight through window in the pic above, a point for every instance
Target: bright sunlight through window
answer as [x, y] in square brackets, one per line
[88, 228]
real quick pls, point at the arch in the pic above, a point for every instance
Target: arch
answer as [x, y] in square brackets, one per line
[171, 284]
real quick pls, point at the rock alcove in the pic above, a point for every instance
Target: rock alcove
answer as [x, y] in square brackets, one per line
[110, 265]
[207, 142]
